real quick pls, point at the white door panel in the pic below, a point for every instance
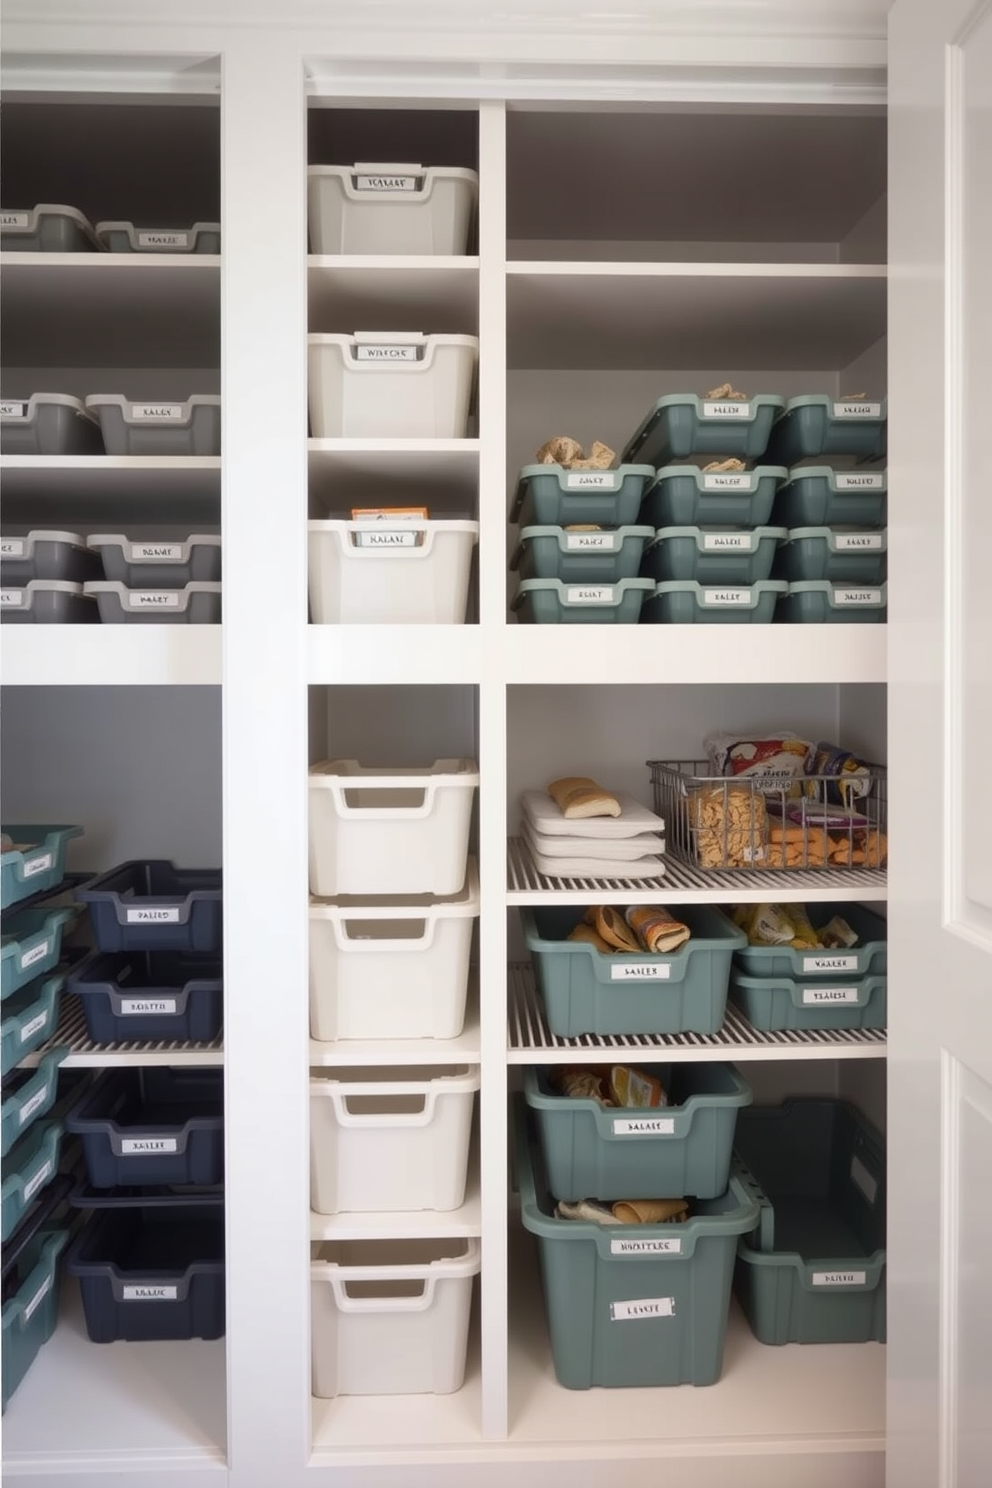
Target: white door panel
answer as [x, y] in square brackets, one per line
[940, 723]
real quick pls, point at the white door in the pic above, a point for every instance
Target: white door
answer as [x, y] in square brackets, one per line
[940, 738]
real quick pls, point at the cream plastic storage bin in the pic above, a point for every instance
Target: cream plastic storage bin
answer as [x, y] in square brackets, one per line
[390, 1317]
[383, 831]
[390, 384]
[385, 207]
[383, 573]
[390, 1139]
[391, 968]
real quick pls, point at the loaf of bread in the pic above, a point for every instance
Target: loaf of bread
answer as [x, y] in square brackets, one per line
[578, 796]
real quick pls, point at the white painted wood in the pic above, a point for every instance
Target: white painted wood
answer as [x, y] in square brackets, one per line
[940, 1127]
[111, 655]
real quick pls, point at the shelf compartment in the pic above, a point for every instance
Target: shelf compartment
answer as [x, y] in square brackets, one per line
[416, 1224]
[84, 1053]
[380, 292]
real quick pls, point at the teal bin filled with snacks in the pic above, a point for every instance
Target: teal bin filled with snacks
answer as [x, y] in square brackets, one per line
[866, 955]
[685, 602]
[712, 555]
[634, 1304]
[553, 602]
[587, 555]
[849, 555]
[554, 496]
[813, 1268]
[33, 860]
[819, 496]
[819, 602]
[688, 496]
[681, 425]
[818, 426]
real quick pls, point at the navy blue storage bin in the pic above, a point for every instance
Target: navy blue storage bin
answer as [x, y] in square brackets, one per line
[152, 906]
[152, 1125]
[156, 995]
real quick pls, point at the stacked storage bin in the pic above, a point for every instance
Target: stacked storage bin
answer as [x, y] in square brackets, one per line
[150, 1258]
[394, 898]
[53, 227]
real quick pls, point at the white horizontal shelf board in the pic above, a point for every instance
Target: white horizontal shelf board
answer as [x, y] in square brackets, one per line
[463, 1049]
[116, 1407]
[605, 321]
[437, 294]
[693, 269]
[84, 474]
[417, 1224]
[394, 653]
[85, 1054]
[111, 655]
[54, 264]
[530, 1040]
[368, 451]
[681, 884]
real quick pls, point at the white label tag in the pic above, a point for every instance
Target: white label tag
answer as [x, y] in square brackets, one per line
[37, 865]
[726, 597]
[14, 219]
[163, 240]
[149, 412]
[661, 972]
[838, 1278]
[13, 410]
[138, 1005]
[387, 354]
[740, 482]
[33, 1025]
[644, 1126]
[753, 854]
[589, 594]
[577, 542]
[728, 542]
[149, 1294]
[857, 482]
[148, 1146]
[847, 542]
[830, 963]
[817, 995]
[12, 599]
[154, 552]
[39, 1297]
[385, 183]
[857, 596]
[857, 410]
[36, 953]
[153, 599]
[152, 917]
[591, 480]
[727, 410]
[649, 1307]
[645, 1247]
[12, 547]
[862, 1179]
[380, 539]
[30, 1106]
[33, 1184]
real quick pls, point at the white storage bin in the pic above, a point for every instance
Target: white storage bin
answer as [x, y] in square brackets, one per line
[395, 968]
[390, 1317]
[390, 384]
[383, 573]
[384, 207]
[385, 831]
[390, 1139]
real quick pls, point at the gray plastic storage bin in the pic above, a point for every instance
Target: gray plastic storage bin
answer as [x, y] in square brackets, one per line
[819, 425]
[157, 563]
[49, 227]
[48, 424]
[817, 496]
[124, 237]
[717, 555]
[633, 1305]
[868, 957]
[27, 1096]
[684, 602]
[32, 944]
[36, 862]
[813, 1270]
[551, 602]
[680, 425]
[686, 496]
[818, 602]
[28, 1019]
[193, 604]
[773, 1004]
[551, 496]
[842, 556]
[155, 996]
[635, 1153]
[47, 602]
[164, 427]
[46, 554]
[152, 1125]
[603, 557]
[149, 905]
[587, 991]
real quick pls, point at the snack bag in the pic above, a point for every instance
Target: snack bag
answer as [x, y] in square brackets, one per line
[633, 1087]
[853, 776]
[776, 763]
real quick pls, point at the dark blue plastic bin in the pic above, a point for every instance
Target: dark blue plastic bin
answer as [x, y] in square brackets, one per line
[152, 1125]
[152, 906]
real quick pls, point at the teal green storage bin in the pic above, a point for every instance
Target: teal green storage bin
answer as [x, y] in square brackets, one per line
[633, 1305]
[30, 1314]
[586, 991]
[684, 602]
[719, 555]
[552, 602]
[29, 1019]
[551, 496]
[776, 1004]
[32, 945]
[819, 425]
[680, 425]
[869, 957]
[686, 496]
[682, 1149]
[848, 556]
[818, 602]
[33, 1162]
[813, 1269]
[27, 1096]
[603, 557]
[817, 496]
[36, 863]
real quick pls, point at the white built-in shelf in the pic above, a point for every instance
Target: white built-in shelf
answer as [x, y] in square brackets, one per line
[110, 655]
[391, 456]
[463, 1049]
[414, 1225]
[441, 474]
[681, 884]
[120, 1408]
[87, 489]
[85, 1054]
[437, 294]
[530, 1040]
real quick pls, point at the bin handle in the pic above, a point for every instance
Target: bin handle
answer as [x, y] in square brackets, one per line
[421, 1302]
[372, 945]
[385, 782]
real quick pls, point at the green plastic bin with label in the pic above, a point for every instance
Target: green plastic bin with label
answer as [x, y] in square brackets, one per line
[32, 944]
[818, 496]
[35, 863]
[633, 1305]
[684, 602]
[686, 496]
[853, 555]
[553, 496]
[868, 957]
[680, 425]
[777, 1004]
[552, 602]
[29, 1019]
[30, 1315]
[712, 555]
[818, 425]
[28, 1095]
[32, 1162]
[818, 602]
[603, 557]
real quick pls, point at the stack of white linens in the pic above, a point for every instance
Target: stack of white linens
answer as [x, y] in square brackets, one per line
[626, 846]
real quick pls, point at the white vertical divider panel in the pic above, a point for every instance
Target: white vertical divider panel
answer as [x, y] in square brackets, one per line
[492, 758]
[265, 756]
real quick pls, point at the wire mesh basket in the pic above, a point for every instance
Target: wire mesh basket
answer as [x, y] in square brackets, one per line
[813, 822]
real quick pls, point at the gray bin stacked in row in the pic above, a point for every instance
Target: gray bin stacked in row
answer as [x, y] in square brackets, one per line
[109, 423]
[53, 577]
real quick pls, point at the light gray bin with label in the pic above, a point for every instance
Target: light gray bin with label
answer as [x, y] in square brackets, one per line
[48, 424]
[165, 563]
[163, 427]
[124, 237]
[47, 602]
[50, 227]
[194, 604]
[44, 553]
